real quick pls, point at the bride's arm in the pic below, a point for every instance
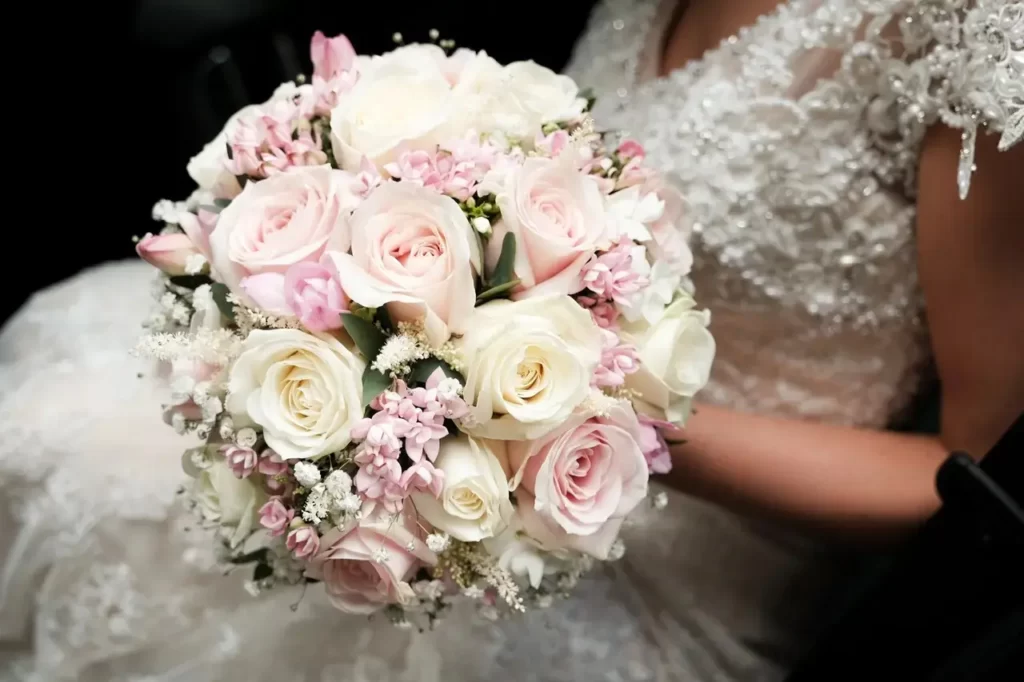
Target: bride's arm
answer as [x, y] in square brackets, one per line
[971, 261]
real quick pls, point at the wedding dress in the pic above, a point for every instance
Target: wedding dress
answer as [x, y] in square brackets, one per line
[795, 142]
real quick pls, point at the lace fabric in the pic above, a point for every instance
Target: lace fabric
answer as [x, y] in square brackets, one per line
[795, 144]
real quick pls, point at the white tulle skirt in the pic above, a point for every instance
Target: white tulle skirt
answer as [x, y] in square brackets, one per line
[102, 577]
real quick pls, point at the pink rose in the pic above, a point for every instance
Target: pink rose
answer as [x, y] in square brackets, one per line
[308, 291]
[303, 542]
[169, 252]
[581, 481]
[414, 251]
[288, 218]
[241, 461]
[275, 516]
[558, 218]
[369, 566]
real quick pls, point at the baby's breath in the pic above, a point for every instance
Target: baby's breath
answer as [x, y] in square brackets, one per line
[466, 564]
[217, 347]
[398, 355]
[249, 319]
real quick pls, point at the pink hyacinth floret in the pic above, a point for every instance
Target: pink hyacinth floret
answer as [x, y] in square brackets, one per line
[303, 542]
[366, 180]
[553, 143]
[617, 360]
[604, 314]
[241, 461]
[334, 70]
[271, 464]
[412, 419]
[454, 169]
[274, 139]
[633, 171]
[653, 444]
[275, 516]
[611, 275]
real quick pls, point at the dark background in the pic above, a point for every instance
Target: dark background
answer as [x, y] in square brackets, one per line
[155, 80]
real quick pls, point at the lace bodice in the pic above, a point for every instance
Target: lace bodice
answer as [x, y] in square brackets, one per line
[795, 143]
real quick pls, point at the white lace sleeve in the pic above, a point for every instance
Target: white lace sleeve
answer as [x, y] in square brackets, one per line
[970, 58]
[960, 62]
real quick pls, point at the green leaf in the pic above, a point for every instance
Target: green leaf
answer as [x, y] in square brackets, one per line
[221, 203]
[220, 297]
[262, 571]
[422, 370]
[362, 312]
[504, 271]
[496, 292]
[368, 338]
[374, 383]
[190, 281]
[209, 208]
[589, 96]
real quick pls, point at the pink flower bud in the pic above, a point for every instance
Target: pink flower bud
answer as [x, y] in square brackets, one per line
[653, 444]
[331, 56]
[631, 149]
[271, 464]
[169, 252]
[275, 517]
[242, 461]
[303, 542]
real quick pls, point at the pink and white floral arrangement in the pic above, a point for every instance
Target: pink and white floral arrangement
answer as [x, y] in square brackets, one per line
[430, 329]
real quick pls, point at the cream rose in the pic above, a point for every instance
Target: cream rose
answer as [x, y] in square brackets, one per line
[529, 364]
[414, 251]
[474, 503]
[588, 473]
[369, 566]
[231, 502]
[676, 354]
[481, 102]
[285, 219]
[401, 100]
[304, 390]
[557, 216]
[541, 94]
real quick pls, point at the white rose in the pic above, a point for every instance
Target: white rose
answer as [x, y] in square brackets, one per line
[229, 501]
[481, 102]
[401, 100]
[529, 364]
[304, 390]
[474, 503]
[518, 554]
[541, 95]
[676, 354]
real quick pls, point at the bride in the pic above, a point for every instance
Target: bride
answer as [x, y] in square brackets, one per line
[854, 208]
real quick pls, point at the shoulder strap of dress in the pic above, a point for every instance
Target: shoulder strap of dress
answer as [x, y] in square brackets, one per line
[972, 53]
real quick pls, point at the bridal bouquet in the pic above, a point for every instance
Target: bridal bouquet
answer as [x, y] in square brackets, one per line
[430, 328]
